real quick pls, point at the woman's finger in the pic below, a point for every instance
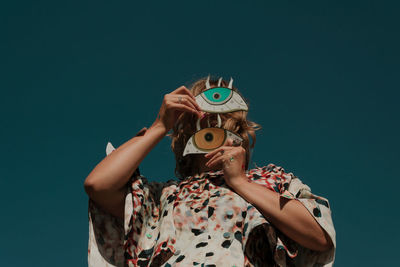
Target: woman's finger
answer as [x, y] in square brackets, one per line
[183, 99]
[215, 160]
[212, 153]
[216, 155]
[193, 100]
[228, 144]
[186, 98]
[183, 90]
[183, 107]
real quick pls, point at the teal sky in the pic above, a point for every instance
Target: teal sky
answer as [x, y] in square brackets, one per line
[321, 77]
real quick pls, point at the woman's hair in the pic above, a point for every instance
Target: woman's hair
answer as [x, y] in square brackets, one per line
[185, 127]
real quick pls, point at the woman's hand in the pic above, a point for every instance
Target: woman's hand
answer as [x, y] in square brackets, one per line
[174, 104]
[233, 159]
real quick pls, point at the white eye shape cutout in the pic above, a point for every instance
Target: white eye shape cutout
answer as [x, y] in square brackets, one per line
[220, 99]
[208, 139]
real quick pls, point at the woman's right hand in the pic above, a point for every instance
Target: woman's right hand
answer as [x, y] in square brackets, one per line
[174, 104]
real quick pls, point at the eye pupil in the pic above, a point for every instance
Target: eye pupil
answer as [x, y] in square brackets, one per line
[208, 137]
[216, 95]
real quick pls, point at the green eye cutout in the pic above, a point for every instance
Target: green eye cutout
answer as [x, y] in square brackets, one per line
[217, 95]
[220, 99]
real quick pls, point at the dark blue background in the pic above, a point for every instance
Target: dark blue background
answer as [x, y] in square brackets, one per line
[322, 78]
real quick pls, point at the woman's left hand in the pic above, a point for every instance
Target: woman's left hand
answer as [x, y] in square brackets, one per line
[233, 159]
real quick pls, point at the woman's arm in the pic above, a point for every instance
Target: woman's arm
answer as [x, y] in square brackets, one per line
[105, 185]
[289, 216]
[115, 170]
[106, 182]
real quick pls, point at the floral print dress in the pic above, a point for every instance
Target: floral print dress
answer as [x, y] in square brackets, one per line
[201, 221]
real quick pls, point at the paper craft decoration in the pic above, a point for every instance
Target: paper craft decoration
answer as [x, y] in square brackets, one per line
[208, 139]
[215, 100]
[110, 148]
[220, 99]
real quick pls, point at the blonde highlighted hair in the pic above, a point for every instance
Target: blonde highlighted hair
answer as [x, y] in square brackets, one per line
[185, 127]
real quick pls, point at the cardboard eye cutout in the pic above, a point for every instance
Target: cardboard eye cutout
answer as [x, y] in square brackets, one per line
[220, 99]
[208, 139]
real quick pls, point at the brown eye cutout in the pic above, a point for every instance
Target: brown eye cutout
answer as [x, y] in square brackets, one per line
[210, 138]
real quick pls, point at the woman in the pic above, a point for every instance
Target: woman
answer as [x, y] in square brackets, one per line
[218, 214]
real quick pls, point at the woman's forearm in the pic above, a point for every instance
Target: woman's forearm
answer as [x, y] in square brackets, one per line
[288, 215]
[115, 170]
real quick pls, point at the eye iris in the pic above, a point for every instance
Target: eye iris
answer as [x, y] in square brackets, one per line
[208, 137]
[216, 96]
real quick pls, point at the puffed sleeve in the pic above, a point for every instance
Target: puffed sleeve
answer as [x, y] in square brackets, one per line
[279, 247]
[113, 241]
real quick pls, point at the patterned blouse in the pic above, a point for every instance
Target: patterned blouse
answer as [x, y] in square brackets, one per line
[200, 221]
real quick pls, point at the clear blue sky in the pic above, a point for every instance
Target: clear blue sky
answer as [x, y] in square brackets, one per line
[321, 77]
